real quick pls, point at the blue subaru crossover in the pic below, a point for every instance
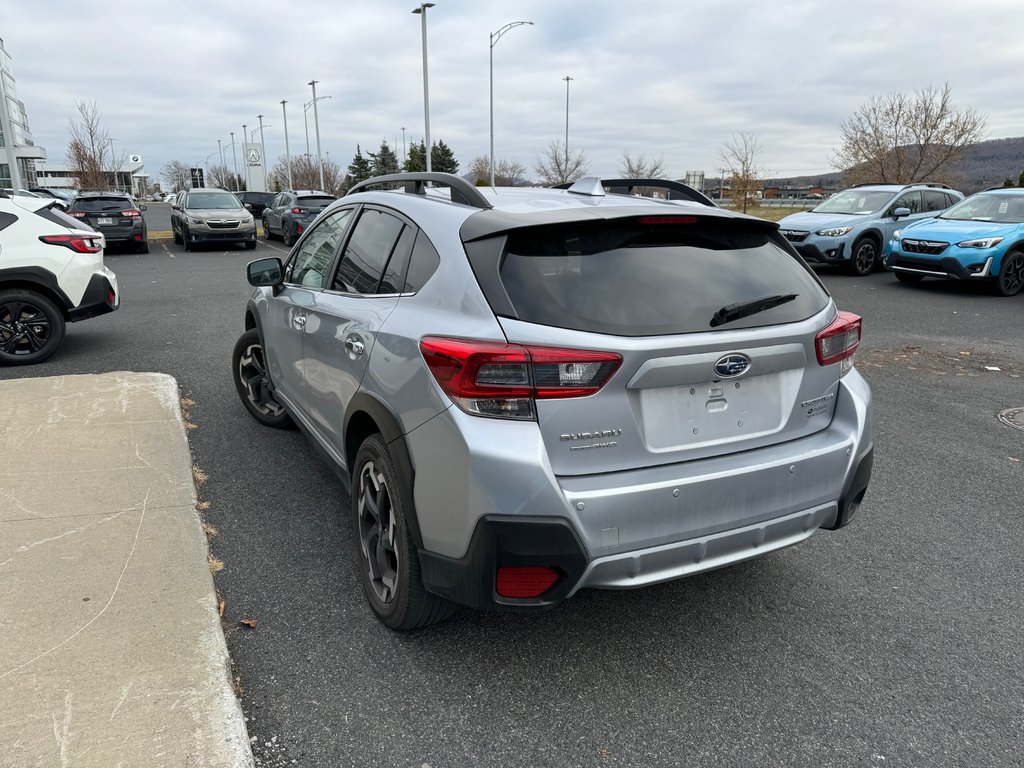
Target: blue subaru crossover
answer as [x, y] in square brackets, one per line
[981, 238]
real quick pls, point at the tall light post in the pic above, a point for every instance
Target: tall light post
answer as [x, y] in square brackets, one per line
[422, 11]
[404, 161]
[567, 80]
[234, 158]
[245, 158]
[316, 124]
[263, 146]
[495, 37]
[221, 150]
[287, 153]
[305, 118]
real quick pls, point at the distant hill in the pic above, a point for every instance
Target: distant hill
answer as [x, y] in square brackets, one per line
[986, 164]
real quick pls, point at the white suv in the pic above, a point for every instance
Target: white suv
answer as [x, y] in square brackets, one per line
[51, 273]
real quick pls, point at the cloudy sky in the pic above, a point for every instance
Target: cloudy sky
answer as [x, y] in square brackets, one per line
[668, 78]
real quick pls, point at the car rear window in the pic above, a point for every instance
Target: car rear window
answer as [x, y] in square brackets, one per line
[97, 204]
[316, 202]
[59, 217]
[641, 279]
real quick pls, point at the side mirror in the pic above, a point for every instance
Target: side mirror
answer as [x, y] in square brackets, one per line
[142, 207]
[248, 205]
[264, 272]
[899, 213]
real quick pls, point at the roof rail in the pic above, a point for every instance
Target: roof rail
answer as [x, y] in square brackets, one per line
[935, 184]
[415, 184]
[676, 189]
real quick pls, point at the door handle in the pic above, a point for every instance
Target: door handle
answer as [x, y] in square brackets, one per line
[355, 345]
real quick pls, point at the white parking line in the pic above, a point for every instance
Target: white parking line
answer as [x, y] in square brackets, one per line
[265, 244]
[167, 250]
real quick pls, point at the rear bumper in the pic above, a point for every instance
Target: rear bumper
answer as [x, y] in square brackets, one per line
[631, 528]
[101, 296]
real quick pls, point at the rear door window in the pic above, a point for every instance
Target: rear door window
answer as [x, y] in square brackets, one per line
[368, 251]
[935, 201]
[638, 279]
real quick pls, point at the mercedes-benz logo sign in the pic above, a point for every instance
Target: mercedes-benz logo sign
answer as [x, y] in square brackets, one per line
[731, 366]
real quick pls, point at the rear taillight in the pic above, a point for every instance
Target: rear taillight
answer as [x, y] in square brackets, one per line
[131, 213]
[504, 380]
[299, 210]
[78, 214]
[668, 220]
[524, 581]
[839, 341]
[77, 243]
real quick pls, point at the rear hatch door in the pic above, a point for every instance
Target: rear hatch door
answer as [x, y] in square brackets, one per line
[106, 214]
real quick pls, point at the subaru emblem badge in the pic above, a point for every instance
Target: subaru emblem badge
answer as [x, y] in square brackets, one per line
[731, 366]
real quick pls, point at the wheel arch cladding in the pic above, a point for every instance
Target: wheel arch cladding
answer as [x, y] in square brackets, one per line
[366, 415]
[38, 280]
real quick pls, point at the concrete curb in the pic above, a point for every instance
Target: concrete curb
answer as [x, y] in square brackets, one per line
[111, 648]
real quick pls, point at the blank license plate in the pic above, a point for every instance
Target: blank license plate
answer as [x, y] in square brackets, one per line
[105, 221]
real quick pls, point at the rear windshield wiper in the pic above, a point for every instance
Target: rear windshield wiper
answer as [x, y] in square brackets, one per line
[746, 308]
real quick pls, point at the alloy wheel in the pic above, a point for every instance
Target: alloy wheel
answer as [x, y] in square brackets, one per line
[252, 372]
[24, 328]
[864, 258]
[1011, 277]
[378, 532]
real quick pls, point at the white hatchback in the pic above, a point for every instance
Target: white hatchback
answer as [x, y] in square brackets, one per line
[51, 273]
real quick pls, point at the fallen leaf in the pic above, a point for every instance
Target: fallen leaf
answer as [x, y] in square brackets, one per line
[221, 608]
[251, 623]
[1011, 458]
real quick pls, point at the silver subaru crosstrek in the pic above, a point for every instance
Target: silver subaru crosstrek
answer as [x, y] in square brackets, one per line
[534, 391]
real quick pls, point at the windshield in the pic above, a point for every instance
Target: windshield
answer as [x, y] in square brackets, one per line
[212, 200]
[995, 207]
[632, 279]
[859, 202]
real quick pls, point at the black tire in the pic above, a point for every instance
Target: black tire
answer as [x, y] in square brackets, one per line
[31, 327]
[389, 567]
[250, 245]
[863, 257]
[1010, 279]
[184, 236]
[266, 230]
[249, 372]
[908, 277]
[286, 236]
[142, 247]
[176, 235]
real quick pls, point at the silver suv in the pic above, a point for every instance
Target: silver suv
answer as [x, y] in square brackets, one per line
[533, 391]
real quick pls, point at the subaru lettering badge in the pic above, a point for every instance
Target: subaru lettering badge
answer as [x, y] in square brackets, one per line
[731, 366]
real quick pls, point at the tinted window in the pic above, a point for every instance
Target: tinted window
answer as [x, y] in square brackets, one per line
[935, 201]
[98, 204]
[59, 217]
[312, 259]
[6, 219]
[368, 250]
[911, 200]
[423, 264]
[634, 280]
[394, 274]
[316, 202]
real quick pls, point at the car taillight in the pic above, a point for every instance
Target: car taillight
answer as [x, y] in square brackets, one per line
[524, 581]
[299, 210]
[668, 219]
[839, 341]
[78, 214]
[504, 380]
[77, 243]
[131, 213]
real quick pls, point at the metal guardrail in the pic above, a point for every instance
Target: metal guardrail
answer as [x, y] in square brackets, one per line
[775, 202]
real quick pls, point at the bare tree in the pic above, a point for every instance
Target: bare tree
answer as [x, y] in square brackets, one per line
[555, 166]
[176, 174]
[739, 156]
[220, 176]
[507, 173]
[901, 138]
[89, 150]
[640, 167]
[306, 174]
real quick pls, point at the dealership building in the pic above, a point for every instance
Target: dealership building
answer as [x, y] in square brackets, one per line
[18, 153]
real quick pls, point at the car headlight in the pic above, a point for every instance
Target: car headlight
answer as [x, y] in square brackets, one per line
[835, 231]
[193, 220]
[248, 219]
[896, 236]
[984, 242]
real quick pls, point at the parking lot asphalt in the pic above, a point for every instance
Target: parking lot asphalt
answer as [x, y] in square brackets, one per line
[894, 642]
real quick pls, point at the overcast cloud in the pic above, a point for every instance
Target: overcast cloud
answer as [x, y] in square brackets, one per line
[671, 78]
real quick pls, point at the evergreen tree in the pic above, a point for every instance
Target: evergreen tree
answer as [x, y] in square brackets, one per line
[385, 160]
[416, 160]
[442, 159]
[1020, 179]
[359, 169]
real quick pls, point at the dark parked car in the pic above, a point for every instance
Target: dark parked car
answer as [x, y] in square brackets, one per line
[116, 215]
[255, 202]
[291, 212]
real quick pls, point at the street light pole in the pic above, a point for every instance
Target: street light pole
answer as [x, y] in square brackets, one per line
[404, 160]
[567, 79]
[316, 124]
[245, 158]
[287, 153]
[234, 158]
[495, 37]
[221, 150]
[422, 11]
